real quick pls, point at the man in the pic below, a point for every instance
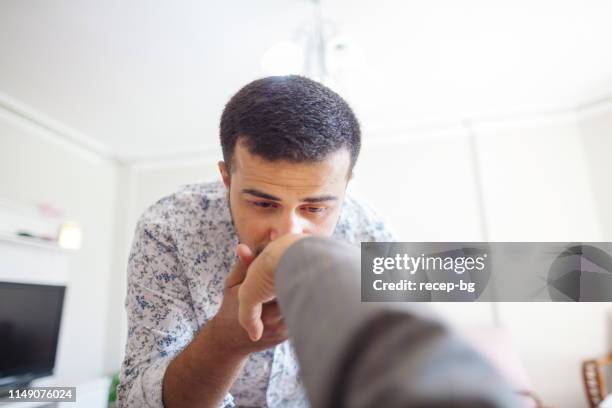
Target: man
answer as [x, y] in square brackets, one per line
[355, 354]
[289, 147]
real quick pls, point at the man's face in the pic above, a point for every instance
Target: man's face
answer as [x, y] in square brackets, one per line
[271, 199]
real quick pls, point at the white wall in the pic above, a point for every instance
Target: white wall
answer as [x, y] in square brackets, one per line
[597, 140]
[536, 187]
[535, 182]
[423, 182]
[36, 167]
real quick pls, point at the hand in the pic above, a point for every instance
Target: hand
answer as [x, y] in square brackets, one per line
[225, 327]
[258, 286]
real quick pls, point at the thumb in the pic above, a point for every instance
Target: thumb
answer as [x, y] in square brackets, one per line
[256, 290]
[245, 257]
[249, 316]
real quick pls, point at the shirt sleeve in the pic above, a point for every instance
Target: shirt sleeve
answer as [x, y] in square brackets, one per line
[161, 319]
[370, 226]
[380, 230]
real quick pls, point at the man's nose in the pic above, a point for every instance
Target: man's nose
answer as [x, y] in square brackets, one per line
[287, 224]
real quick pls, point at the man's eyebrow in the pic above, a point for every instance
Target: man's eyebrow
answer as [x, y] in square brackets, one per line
[270, 197]
[260, 194]
[319, 199]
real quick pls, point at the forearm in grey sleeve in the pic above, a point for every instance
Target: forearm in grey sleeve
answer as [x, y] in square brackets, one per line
[374, 354]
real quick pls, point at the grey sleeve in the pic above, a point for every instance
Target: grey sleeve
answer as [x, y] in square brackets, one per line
[374, 354]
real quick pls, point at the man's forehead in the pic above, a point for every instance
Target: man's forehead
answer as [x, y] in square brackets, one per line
[330, 172]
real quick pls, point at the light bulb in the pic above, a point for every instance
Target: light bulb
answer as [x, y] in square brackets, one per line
[70, 235]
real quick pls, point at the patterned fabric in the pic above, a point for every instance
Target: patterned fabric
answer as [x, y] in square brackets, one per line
[183, 250]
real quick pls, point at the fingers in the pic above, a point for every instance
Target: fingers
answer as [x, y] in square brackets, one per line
[271, 310]
[250, 319]
[252, 295]
[255, 289]
[250, 305]
[263, 321]
[275, 329]
[245, 257]
[245, 254]
[274, 324]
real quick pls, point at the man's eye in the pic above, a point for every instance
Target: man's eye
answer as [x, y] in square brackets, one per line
[315, 209]
[263, 204]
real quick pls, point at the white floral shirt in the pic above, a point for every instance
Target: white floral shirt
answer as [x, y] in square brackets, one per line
[183, 250]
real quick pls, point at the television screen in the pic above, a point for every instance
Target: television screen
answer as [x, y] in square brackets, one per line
[30, 317]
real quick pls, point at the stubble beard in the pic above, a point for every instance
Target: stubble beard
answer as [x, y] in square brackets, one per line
[259, 249]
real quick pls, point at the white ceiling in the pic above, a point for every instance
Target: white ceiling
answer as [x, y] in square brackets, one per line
[151, 77]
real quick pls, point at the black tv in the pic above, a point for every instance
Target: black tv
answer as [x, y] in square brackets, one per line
[30, 316]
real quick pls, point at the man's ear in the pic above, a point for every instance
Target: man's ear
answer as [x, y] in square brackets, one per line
[224, 174]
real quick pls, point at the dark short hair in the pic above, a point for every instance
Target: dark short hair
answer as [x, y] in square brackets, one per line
[289, 118]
